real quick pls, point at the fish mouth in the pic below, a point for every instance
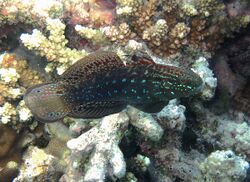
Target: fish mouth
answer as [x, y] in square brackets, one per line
[26, 98]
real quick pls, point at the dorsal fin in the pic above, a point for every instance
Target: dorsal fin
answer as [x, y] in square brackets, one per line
[142, 58]
[89, 66]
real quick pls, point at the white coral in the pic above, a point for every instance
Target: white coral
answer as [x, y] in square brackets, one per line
[96, 35]
[201, 67]
[235, 135]
[23, 112]
[102, 141]
[9, 75]
[7, 113]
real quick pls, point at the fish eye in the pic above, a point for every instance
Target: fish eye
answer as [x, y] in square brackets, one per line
[38, 91]
[51, 114]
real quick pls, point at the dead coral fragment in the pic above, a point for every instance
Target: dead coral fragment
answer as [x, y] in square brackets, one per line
[102, 143]
[172, 116]
[201, 67]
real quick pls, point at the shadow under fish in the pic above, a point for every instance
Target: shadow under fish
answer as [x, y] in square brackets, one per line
[101, 84]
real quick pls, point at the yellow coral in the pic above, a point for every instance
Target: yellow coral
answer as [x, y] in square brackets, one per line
[95, 35]
[180, 30]
[36, 163]
[131, 3]
[157, 33]
[189, 9]
[15, 76]
[7, 113]
[54, 47]
[122, 34]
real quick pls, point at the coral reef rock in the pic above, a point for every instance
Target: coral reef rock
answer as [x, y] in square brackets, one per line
[224, 166]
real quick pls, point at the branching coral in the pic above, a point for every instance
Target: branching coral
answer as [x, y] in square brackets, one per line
[30, 12]
[207, 24]
[15, 77]
[36, 11]
[102, 143]
[94, 35]
[53, 47]
[145, 124]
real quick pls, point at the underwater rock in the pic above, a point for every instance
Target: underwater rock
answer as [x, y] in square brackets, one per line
[38, 166]
[172, 116]
[201, 67]
[224, 166]
[145, 124]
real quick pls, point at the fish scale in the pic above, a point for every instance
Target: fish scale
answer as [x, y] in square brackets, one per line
[100, 84]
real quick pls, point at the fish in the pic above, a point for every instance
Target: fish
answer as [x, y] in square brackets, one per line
[100, 84]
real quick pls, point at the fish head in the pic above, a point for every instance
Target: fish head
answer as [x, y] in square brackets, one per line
[46, 102]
